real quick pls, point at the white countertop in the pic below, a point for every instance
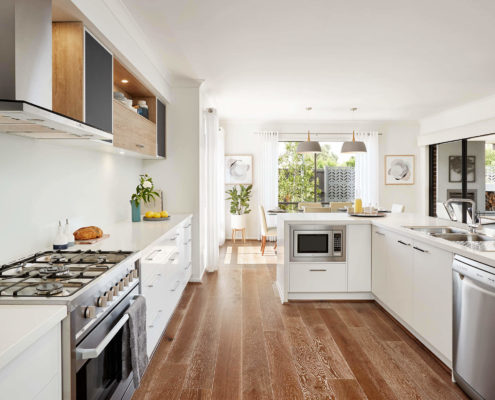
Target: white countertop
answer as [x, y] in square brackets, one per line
[133, 236]
[398, 224]
[24, 325]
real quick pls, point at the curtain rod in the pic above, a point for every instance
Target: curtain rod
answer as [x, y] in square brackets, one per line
[322, 133]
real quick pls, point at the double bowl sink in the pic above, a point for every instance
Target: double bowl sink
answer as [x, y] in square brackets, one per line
[453, 234]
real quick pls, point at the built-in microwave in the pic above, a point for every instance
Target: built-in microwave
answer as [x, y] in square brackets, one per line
[324, 243]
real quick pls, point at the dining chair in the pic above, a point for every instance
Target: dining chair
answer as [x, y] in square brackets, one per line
[266, 231]
[317, 210]
[397, 208]
[337, 205]
[302, 205]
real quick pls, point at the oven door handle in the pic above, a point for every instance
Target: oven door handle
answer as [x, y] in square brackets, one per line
[86, 354]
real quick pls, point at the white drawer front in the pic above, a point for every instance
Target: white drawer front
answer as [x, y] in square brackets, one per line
[324, 277]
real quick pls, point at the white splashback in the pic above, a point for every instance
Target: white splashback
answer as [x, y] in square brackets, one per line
[42, 182]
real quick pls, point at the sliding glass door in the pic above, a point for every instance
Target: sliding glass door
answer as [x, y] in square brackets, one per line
[463, 169]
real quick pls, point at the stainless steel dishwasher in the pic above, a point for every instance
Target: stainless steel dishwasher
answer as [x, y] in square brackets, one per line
[474, 328]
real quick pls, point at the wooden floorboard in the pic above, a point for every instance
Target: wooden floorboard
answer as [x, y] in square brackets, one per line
[231, 338]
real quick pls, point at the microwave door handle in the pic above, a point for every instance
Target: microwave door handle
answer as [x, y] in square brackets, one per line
[86, 354]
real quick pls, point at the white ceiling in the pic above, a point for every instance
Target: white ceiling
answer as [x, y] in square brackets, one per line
[269, 59]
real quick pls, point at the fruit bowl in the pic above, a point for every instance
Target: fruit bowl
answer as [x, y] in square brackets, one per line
[156, 219]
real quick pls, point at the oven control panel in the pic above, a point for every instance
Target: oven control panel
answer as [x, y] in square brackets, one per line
[103, 297]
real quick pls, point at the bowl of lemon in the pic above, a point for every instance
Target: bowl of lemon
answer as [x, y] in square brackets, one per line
[156, 216]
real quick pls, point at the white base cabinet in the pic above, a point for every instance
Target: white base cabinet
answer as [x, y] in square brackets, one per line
[432, 296]
[165, 271]
[358, 258]
[414, 280]
[37, 372]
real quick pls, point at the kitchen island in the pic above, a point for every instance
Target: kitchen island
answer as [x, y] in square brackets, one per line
[408, 272]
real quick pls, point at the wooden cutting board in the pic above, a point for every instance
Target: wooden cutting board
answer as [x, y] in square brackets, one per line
[93, 241]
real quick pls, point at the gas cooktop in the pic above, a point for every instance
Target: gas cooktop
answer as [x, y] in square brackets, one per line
[56, 273]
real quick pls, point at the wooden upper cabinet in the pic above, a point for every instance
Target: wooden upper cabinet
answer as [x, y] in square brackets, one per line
[81, 76]
[85, 75]
[131, 130]
[68, 69]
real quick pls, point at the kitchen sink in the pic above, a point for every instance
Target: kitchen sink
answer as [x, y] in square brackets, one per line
[464, 237]
[437, 229]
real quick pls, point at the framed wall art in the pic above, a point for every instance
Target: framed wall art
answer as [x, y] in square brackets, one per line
[399, 170]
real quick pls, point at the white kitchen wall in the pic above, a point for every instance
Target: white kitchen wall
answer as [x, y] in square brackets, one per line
[179, 174]
[398, 138]
[42, 183]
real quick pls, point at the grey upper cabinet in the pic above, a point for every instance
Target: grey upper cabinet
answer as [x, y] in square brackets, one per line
[161, 149]
[98, 65]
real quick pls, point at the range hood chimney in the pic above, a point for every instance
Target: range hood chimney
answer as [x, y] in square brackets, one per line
[26, 76]
[26, 49]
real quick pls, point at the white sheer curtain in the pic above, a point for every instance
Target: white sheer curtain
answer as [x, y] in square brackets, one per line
[268, 175]
[215, 204]
[367, 178]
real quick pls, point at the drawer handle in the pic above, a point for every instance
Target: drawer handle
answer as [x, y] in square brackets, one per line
[153, 323]
[173, 258]
[187, 226]
[141, 146]
[379, 233]
[177, 283]
[317, 270]
[421, 250]
[174, 238]
[404, 243]
[158, 276]
[152, 255]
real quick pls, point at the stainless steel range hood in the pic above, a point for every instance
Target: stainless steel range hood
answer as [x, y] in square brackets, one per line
[25, 119]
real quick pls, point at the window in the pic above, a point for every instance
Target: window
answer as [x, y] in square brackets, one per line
[296, 175]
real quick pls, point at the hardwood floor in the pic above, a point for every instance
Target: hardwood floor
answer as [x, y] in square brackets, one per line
[230, 338]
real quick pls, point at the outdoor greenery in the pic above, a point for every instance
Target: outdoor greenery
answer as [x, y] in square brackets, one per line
[296, 172]
[489, 155]
[145, 191]
[327, 158]
[239, 199]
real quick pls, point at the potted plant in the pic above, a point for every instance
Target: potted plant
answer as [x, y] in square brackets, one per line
[145, 191]
[239, 205]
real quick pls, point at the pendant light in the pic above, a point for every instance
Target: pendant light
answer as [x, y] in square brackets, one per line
[353, 146]
[308, 146]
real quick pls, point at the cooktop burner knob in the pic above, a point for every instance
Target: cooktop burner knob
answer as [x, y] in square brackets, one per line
[131, 278]
[116, 289]
[109, 294]
[126, 280]
[102, 301]
[134, 273]
[121, 285]
[90, 312]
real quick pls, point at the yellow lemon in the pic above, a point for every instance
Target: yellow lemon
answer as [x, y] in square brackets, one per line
[164, 214]
[149, 214]
[156, 215]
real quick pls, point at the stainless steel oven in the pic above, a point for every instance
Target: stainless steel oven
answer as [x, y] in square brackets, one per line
[99, 358]
[317, 243]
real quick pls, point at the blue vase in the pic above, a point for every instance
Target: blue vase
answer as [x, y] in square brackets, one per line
[136, 212]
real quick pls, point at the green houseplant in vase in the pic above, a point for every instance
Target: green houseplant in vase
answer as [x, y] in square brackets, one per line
[145, 191]
[239, 205]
